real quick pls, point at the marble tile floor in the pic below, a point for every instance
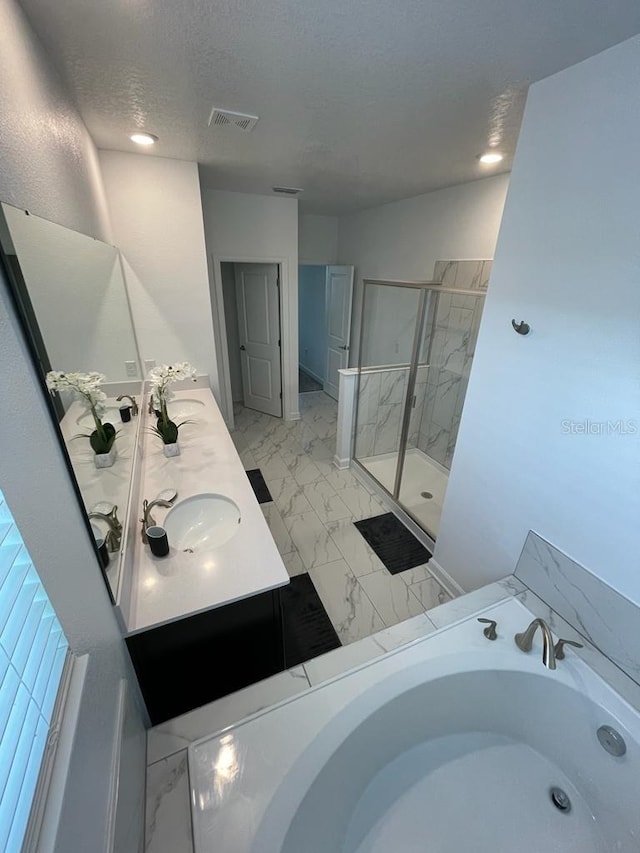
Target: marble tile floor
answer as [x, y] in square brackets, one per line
[311, 519]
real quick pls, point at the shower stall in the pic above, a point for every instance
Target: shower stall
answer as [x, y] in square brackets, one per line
[417, 341]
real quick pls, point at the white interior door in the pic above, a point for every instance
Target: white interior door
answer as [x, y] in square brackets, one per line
[259, 332]
[339, 298]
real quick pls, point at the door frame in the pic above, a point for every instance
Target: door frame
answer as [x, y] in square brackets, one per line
[288, 336]
[347, 353]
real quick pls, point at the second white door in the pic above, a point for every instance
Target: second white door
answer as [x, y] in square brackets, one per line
[339, 295]
[259, 331]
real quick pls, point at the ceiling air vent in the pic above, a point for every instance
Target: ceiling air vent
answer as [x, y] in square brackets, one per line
[287, 190]
[227, 118]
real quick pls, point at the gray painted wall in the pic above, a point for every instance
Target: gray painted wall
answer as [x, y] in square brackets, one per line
[49, 166]
[312, 319]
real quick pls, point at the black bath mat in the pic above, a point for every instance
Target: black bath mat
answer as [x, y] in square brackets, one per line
[396, 546]
[308, 631]
[259, 486]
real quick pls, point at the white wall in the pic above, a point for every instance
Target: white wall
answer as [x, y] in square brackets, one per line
[312, 319]
[49, 166]
[49, 163]
[156, 216]
[567, 262]
[245, 227]
[317, 239]
[403, 240]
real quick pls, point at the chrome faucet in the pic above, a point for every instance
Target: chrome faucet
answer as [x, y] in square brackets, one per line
[113, 538]
[524, 641]
[147, 519]
[134, 405]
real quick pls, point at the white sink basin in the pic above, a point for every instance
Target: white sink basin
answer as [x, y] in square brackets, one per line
[202, 522]
[184, 408]
[111, 416]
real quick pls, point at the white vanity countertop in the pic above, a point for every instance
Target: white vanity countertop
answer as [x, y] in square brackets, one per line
[182, 584]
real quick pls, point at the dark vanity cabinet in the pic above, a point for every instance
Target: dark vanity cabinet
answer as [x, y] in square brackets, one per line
[192, 661]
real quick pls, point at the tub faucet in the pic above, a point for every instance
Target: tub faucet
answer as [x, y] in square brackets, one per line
[134, 405]
[114, 534]
[524, 641]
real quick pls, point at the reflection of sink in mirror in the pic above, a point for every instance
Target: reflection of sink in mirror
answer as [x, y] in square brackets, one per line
[184, 408]
[111, 415]
[202, 522]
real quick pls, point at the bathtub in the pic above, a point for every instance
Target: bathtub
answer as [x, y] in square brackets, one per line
[451, 743]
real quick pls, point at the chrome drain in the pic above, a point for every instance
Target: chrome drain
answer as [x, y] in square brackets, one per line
[426, 495]
[612, 741]
[560, 799]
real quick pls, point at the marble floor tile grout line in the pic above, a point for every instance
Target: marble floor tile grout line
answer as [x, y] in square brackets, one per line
[312, 515]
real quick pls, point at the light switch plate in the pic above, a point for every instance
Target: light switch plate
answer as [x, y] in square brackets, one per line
[149, 364]
[132, 369]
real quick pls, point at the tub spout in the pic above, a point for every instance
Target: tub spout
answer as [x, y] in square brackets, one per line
[524, 641]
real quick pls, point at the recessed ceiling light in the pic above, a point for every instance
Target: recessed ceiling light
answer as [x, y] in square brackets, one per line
[490, 157]
[141, 138]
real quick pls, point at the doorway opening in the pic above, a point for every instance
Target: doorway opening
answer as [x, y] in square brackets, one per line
[325, 295]
[251, 296]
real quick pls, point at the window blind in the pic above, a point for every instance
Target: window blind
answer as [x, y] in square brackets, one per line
[33, 649]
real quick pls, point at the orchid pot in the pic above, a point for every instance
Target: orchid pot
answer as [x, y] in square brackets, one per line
[86, 388]
[161, 378]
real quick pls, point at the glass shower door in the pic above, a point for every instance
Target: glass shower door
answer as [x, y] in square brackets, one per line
[391, 318]
[446, 353]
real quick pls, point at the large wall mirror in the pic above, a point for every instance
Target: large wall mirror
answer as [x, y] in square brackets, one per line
[72, 298]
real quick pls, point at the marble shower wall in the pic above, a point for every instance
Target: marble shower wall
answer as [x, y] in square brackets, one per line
[455, 332]
[381, 407]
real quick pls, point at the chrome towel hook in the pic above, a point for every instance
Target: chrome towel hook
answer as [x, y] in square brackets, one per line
[521, 328]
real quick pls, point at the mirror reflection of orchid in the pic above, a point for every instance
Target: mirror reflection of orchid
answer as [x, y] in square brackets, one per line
[85, 387]
[160, 378]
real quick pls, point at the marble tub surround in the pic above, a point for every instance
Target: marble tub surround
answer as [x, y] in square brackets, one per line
[165, 589]
[334, 663]
[168, 811]
[607, 619]
[178, 733]
[168, 815]
[318, 721]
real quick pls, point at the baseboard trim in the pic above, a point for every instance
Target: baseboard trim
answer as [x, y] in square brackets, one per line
[340, 463]
[450, 584]
[311, 373]
[114, 778]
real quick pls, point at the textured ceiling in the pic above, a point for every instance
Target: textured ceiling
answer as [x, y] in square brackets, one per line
[360, 101]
